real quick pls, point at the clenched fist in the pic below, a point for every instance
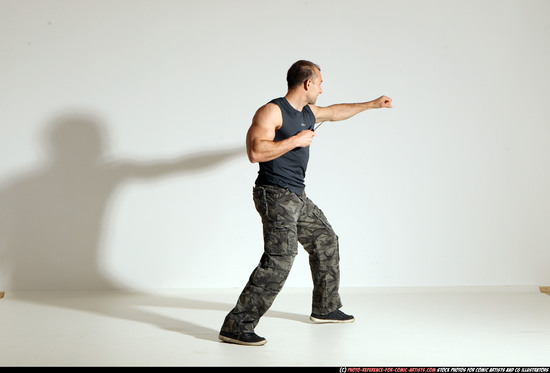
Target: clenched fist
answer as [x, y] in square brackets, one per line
[382, 102]
[304, 138]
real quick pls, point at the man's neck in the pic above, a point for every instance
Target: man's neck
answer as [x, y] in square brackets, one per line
[296, 99]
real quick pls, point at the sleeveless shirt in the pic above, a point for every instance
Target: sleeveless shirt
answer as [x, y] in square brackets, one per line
[288, 170]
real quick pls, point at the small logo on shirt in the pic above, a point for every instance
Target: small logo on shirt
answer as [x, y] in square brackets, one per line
[303, 124]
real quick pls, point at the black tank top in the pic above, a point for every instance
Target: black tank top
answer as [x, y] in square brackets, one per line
[289, 170]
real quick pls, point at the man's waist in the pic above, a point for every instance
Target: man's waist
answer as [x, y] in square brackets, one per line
[273, 180]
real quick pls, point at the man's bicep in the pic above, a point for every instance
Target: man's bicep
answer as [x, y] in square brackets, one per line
[258, 133]
[265, 122]
[262, 130]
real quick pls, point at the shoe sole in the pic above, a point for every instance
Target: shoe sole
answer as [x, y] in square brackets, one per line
[236, 341]
[330, 321]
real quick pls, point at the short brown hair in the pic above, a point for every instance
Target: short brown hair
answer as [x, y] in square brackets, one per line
[299, 72]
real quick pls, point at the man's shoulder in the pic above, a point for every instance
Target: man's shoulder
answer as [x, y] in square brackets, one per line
[269, 109]
[268, 115]
[313, 108]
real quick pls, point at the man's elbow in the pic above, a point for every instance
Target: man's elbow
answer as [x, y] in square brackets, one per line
[253, 157]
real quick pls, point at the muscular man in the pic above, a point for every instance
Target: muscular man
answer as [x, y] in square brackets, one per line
[279, 140]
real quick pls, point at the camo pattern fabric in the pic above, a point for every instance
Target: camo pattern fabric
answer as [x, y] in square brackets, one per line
[288, 219]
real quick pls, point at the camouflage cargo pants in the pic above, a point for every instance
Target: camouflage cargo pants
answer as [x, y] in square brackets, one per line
[288, 219]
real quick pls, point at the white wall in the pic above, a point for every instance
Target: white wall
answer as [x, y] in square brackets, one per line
[122, 129]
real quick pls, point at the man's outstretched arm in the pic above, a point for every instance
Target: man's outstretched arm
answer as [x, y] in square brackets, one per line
[339, 112]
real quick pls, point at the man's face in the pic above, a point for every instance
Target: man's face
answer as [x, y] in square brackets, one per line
[315, 87]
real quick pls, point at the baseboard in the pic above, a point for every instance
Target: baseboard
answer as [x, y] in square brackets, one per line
[542, 289]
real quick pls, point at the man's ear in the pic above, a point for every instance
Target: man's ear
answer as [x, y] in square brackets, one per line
[307, 84]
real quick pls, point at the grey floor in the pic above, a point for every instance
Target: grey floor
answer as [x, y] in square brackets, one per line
[394, 327]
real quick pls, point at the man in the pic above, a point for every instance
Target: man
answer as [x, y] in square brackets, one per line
[279, 140]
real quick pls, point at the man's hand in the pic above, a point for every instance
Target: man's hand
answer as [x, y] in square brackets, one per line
[304, 138]
[382, 102]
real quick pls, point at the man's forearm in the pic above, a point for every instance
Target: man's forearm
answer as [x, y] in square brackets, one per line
[262, 150]
[266, 150]
[346, 111]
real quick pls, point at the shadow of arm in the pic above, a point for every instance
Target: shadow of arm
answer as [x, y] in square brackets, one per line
[192, 163]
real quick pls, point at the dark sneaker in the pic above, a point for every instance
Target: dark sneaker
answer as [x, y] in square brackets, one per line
[333, 317]
[247, 339]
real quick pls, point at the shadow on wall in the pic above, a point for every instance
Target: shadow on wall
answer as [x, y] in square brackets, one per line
[50, 230]
[51, 218]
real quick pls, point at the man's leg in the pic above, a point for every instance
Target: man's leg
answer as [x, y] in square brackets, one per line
[279, 210]
[321, 242]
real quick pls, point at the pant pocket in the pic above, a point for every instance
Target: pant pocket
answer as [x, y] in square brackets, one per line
[281, 241]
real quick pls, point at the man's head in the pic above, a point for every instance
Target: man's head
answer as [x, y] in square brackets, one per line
[307, 75]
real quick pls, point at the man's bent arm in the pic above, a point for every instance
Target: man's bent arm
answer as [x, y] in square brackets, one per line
[339, 112]
[260, 146]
